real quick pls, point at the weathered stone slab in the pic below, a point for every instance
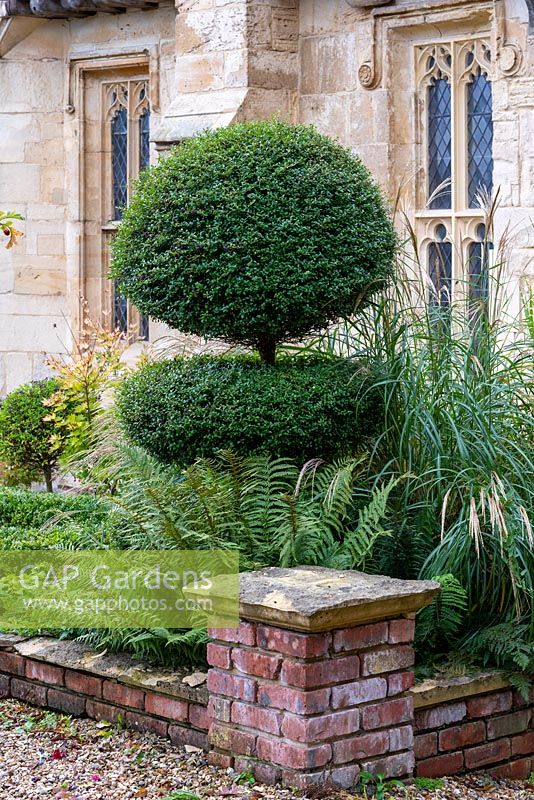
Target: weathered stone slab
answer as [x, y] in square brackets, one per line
[123, 668]
[446, 690]
[9, 640]
[320, 599]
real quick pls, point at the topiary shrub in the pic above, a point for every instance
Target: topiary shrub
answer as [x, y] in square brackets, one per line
[257, 234]
[301, 408]
[25, 433]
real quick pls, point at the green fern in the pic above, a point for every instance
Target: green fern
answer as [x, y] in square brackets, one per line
[443, 618]
[506, 644]
[317, 530]
[263, 507]
[358, 545]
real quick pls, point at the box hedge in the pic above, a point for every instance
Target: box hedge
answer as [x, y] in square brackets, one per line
[301, 408]
[257, 234]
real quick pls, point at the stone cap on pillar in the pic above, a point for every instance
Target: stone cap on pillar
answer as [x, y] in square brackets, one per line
[319, 599]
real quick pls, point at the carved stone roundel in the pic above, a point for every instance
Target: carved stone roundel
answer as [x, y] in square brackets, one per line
[365, 74]
[510, 59]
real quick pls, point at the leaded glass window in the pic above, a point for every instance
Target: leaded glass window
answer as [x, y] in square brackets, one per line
[439, 143]
[120, 311]
[480, 139]
[144, 139]
[455, 177]
[478, 269]
[119, 155]
[129, 127]
[440, 268]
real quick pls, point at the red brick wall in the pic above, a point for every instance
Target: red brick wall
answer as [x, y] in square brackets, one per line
[84, 694]
[305, 709]
[490, 732]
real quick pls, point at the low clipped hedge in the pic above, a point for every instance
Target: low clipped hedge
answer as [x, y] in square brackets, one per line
[301, 408]
[18, 537]
[22, 508]
[44, 521]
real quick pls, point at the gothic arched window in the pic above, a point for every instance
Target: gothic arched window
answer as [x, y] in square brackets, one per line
[456, 176]
[128, 115]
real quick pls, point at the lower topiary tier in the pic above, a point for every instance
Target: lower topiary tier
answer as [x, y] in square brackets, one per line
[302, 408]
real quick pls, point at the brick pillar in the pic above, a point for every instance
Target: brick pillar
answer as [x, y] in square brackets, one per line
[313, 686]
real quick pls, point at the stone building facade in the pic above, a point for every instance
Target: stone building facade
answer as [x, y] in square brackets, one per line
[436, 96]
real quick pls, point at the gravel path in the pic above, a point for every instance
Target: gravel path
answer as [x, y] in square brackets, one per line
[44, 755]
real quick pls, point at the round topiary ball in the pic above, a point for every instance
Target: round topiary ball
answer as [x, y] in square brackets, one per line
[258, 233]
[301, 408]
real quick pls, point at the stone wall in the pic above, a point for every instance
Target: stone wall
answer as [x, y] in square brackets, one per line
[346, 68]
[358, 83]
[41, 176]
[33, 276]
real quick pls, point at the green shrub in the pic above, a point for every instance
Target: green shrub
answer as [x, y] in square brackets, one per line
[23, 538]
[301, 408]
[257, 234]
[25, 432]
[20, 508]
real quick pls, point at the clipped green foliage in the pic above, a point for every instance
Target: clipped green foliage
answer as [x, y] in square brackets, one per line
[21, 508]
[22, 538]
[25, 432]
[258, 233]
[45, 521]
[301, 408]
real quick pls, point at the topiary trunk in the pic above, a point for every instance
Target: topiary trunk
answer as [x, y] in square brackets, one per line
[267, 350]
[47, 471]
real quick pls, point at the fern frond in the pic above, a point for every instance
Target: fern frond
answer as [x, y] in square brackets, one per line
[443, 618]
[506, 643]
[358, 545]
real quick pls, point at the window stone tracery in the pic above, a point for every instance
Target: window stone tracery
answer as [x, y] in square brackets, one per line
[455, 172]
[127, 125]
